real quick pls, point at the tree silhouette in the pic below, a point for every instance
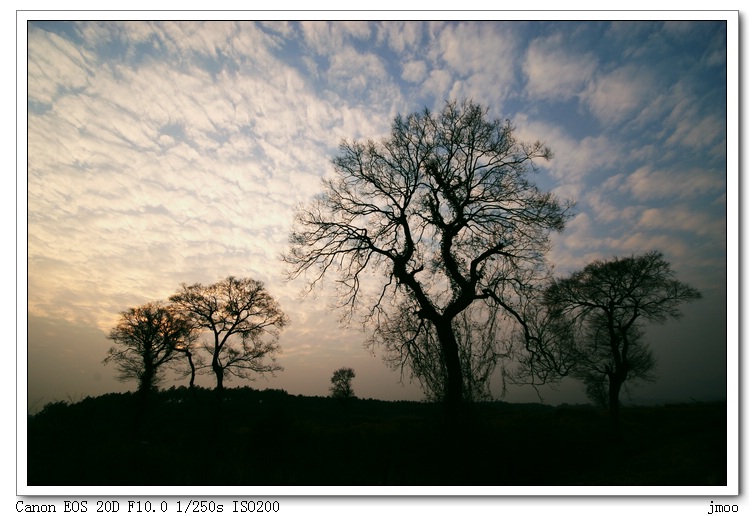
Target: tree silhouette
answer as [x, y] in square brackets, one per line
[444, 211]
[607, 304]
[193, 361]
[147, 337]
[341, 380]
[244, 321]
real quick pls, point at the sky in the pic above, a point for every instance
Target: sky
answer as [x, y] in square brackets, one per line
[162, 153]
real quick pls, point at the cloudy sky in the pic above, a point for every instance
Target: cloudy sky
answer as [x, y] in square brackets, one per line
[168, 152]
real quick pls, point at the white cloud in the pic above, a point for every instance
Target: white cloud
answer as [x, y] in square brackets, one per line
[642, 242]
[54, 65]
[577, 246]
[483, 55]
[619, 94]
[554, 73]
[469, 47]
[574, 160]
[360, 76]
[414, 71]
[680, 218]
[437, 84]
[243, 149]
[328, 38]
[697, 131]
[606, 209]
[101, 34]
[647, 184]
[401, 36]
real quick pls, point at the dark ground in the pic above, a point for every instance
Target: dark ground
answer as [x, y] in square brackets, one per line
[271, 438]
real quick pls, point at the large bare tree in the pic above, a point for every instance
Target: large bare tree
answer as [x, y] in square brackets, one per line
[607, 305]
[244, 322]
[444, 211]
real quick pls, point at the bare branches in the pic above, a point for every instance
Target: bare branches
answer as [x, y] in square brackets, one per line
[628, 289]
[443, 194]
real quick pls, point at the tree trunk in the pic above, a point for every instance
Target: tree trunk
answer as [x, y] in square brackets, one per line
[147, 380]
[454, 395]
[193, 370]
[143, 395]
[614, 387]
[218, 375]
[218, 425]
[219, 378]
[615, 381]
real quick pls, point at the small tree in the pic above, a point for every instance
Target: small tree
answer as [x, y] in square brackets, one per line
[607, 303]
[243, 320]
[147, 337]
[341, 380]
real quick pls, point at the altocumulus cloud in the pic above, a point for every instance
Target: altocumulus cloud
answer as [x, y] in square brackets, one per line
[170, 152]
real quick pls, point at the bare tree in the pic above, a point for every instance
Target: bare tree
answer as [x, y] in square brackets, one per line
[147, 337]
[608, 303]
[444, 211]
[341, 380]
[243, 320]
